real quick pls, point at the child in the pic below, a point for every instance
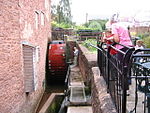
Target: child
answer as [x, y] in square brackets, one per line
[108, 39]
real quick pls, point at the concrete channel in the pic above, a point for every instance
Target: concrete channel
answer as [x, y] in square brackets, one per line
[79, 101]
[74, 99]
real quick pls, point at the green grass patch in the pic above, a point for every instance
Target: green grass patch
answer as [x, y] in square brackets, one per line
[90, 48]
[147, 41]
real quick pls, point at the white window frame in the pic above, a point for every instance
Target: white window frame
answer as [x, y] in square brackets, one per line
[42, 19]
[30, 67]
[36, 19]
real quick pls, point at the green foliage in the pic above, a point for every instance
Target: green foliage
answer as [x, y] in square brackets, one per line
[81, 27]
[56, 104]
[54, 24]
[90, 48]
[147, 41]
[145, 37]
[61, 13]
[101, 22]
[95, 26]
[61, 25]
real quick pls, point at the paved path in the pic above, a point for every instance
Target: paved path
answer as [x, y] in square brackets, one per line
[131, 99]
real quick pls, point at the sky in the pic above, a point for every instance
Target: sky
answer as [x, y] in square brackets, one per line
[83, 10]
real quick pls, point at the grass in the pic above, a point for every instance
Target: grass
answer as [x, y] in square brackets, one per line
[90, 48]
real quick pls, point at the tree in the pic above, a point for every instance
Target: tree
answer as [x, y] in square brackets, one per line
[61, 13]
[95, 25]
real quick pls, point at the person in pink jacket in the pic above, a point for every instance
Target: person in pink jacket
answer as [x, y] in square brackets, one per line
[120, 34]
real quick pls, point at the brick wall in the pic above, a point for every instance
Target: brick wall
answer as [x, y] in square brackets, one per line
[140, 30]
[17, 25]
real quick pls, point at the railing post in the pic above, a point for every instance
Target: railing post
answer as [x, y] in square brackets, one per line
[108, 69]
[124, 87]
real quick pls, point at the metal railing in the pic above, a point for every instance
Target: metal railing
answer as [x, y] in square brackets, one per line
[124, 77]
[140, 75]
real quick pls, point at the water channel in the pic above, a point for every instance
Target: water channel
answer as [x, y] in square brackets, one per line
[61, 97]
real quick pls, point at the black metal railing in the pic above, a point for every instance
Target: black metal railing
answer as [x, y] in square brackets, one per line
[125, 76]
[140, 75]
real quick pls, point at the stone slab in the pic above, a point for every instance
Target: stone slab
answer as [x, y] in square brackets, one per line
[80, 109]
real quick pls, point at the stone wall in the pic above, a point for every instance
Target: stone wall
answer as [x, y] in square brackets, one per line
[87, 60]
[18, 25]
[101, 100]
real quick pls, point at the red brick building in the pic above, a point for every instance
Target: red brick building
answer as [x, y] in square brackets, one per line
[24, 33]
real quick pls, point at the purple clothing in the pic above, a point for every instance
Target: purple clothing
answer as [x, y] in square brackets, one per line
[123, 33]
